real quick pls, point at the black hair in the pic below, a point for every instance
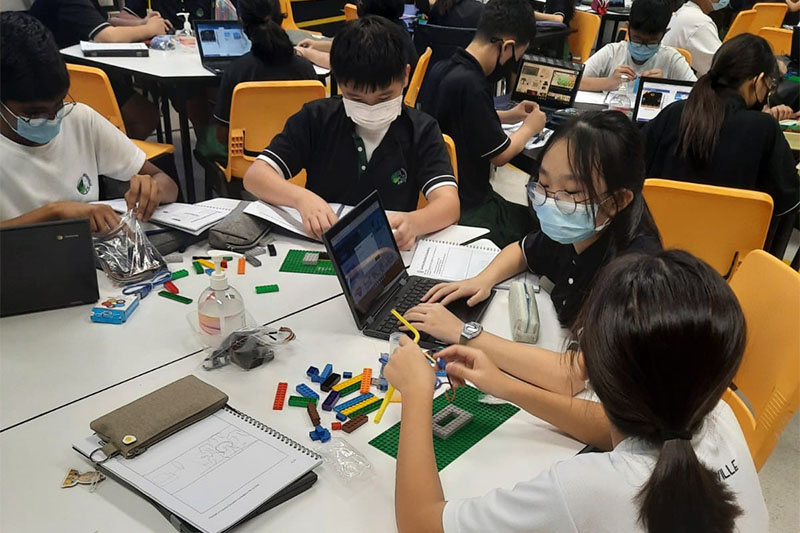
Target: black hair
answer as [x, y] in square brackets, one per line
[369, 52]
[442, 7]
[662, 336]
[742, 58]
[262, 20]
[390, 9]
[650, 16]
[608, 145]
[31, 67]
[507, 18]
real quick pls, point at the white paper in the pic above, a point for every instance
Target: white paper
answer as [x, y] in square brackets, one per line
[194, 219]
[449, 262]
[289, 218]
[590, 97]
[88, 46]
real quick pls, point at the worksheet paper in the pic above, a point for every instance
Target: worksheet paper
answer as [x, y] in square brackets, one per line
[194, 219]
[449, 261]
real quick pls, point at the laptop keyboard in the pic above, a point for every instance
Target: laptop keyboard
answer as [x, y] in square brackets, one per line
[410, 298]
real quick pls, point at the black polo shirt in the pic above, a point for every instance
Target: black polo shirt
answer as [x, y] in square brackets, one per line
[751, 153]
[169, 9]
[458, 95]
[71, 21]
[464, 14]
[572, 273]
[565, 8]
[321, 139]
[250, 68]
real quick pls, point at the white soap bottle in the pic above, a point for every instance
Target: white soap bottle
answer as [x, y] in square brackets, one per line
[220, 308]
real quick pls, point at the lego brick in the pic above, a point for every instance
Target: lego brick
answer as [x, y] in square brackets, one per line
[366, 377]
[280, 396]
[347, 411]
[330, 401]
[350, 389]
[340, 416]
[304, 390]
[350, 403]
[301, 401]
[342, 384]
[383, 385]
[294, 263]
[449, 420]
[373, 404]
[313, 373]
[310, 259]
[354, 424]
[326, 372]
[347, 375]
[336, 425]
[265, 289]
[329, 382]
[313, 414]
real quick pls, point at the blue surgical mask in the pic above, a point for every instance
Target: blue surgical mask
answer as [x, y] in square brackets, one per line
[567, 229]
[722, 4]
[38, 130]
[642, 52]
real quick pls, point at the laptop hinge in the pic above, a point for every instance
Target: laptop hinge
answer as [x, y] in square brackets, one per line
[378, 308]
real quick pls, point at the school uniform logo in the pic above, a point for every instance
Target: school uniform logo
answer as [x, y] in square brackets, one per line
[84, 184]
[400, 177]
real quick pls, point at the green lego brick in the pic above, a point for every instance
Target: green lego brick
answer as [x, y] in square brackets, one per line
[366, 409]
[485, 419]
[301, 401]
[350, 389]
[294, 263]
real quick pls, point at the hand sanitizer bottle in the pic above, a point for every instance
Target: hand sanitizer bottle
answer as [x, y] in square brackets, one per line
[220, 308]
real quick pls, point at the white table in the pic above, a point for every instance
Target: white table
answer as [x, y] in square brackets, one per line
[35, 456]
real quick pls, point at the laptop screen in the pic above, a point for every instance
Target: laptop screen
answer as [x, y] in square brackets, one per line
[221, 39]
[365, 255]
[655, 94]
[548, 82]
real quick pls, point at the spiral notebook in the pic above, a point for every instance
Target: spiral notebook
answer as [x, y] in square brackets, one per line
[450, 261]
[191, 218]
[214, 473]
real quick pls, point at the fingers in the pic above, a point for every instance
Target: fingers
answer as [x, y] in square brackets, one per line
[316, 227]
[132, 196]
[476, 298]
[332, 218]
[155, 195]
[143, 199]
[432, 291]
[307, 225]
[439, 291]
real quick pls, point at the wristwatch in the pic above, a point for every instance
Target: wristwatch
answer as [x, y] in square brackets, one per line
[470, 331]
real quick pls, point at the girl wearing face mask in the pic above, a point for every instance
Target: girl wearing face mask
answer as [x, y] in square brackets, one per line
[720, 136]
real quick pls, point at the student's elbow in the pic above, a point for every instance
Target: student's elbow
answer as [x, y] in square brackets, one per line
[421, 519]
[505, 156]
[447, 203]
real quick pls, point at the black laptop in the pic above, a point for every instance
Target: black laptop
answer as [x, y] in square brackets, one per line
[551, 83]
[654, 94]
[220, 42]
[374, 280]
[46, 266]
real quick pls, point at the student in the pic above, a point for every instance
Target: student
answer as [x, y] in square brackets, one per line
[557, 11]
[458, 93]
[452, 13]
[169, 9]
[693, 30]
[660, 339]
[54, 151]
[272, 57]
[719, 136]
[641, 55]
[588, 198]
[364, 140]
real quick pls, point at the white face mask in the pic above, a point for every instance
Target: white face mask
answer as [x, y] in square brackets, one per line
[373, 117]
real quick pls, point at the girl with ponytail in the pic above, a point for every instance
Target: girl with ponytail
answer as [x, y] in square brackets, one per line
[661, 337]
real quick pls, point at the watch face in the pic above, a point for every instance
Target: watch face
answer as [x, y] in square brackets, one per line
[471, 329]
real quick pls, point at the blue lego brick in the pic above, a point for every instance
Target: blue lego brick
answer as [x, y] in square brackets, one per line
[383, 385]
[441, 374]
[351, 403]
[313, 373]
[340, 416]
[330, 401]
[347, 375]
[384, 358]
[326, 372]
[313, 435]
[303, 390]
[320, 434]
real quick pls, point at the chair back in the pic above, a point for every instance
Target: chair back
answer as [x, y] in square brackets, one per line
[259, 111]
[350, 12]
[587, 26]
[416, 80]
[769, 376]
[720, 225]
[741, 24]
[768, 15]
[451, 151]
[90, 86]
[687, 55]
[443, 41]
[288, 22]
[779, 39]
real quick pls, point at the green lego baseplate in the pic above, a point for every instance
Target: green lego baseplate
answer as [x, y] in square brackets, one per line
[485, 419]
[294, 263]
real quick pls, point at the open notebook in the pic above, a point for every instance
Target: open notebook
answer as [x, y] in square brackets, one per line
[214, 473]
[191, 218]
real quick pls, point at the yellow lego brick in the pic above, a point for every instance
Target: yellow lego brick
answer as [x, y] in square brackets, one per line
[356, 407]
[342, 384]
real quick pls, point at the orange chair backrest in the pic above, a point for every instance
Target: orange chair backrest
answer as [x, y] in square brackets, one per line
[779, 39]
[581, 42]
[768, 15]
[350, 12]
[259, 111]
[417, 78]
[451, 151]
[90, 86]
[720, 225]
[769, 377]
[687, 55]
[741, 24]
[288, 22]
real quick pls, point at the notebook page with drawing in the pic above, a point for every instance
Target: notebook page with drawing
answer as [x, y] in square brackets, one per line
[215, 472]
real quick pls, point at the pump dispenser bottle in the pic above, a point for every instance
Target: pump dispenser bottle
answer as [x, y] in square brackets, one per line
[220, 308]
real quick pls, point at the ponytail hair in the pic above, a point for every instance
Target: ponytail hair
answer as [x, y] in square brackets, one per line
[662, 337]
[262, 21]
[742, 58]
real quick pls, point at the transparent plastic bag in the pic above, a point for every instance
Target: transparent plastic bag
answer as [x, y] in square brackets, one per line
[126, 254]
[348, 463]
[248, 348]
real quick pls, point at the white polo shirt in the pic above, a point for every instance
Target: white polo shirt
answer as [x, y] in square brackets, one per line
[693, 30]
[612, 55]
[66, 168]
[596, 491]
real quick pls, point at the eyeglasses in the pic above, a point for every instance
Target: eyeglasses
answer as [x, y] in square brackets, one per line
[565, 202]
[65, 109]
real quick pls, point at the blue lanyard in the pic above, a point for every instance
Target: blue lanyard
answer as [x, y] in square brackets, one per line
[143, 289]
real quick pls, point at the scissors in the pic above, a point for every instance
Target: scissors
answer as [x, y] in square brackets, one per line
[144, 288]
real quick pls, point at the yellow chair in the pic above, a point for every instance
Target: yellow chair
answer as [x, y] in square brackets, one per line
[779, 39]
[768, 15]
[451, 151]
[581, 41]
[687, 55]
[259, 111]
[288, 22]
[350, 12]
[720, 225]
[416, 80]
[741, 24]
[769, 377]
[90, 86]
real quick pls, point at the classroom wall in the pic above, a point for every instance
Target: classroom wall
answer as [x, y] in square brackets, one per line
[15, 5]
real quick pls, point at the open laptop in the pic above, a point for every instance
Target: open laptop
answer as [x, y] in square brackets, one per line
[551, 83]
[374, 280]
[46, 266]
[655, 94]
[220, 42]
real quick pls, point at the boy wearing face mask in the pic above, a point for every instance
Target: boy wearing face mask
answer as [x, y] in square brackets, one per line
[458, 93]
[54, 150]
[363, 141]
[641, 55]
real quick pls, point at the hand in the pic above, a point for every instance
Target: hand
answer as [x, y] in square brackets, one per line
[615, 79]
[536, 119]
[522, 110]
[143, 196]
[476, 289]
[653, 73]
[409, 371]
[157, 25]
[101, 217]
[316, 214]
[470, 364]
[782, 112]
[301, 51]
[404, 229]
[308, 43]
[437, 321]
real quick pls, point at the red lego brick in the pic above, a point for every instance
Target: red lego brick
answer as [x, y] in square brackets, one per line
[280, 396]
[366, 380]
[354, 423]
[336, 425]
[313, 414]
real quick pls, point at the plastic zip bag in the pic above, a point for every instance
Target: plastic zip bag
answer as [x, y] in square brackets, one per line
[248, 348]
[126, 254]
